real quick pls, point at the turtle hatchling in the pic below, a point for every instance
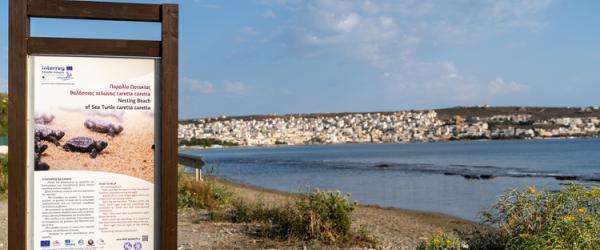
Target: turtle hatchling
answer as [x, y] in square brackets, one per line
[43, 119]
[38, 149]
[39, 165]
[46, 133]
[84, 144]
[102, 126]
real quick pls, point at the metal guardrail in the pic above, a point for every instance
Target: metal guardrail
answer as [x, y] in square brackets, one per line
[193, 161]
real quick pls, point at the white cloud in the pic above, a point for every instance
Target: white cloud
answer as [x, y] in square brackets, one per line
[201, 86]
[348, 23]
[499, 86]
[249, 31]
[380, 32]
[220, 87]
[235, 87]
[268, 14]
[387, 35]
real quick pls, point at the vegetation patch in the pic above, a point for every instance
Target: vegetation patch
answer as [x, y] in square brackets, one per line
[3, 114]
[441, 240]
[205, 194]
[537, 219]
[3, 174]
[313, 216]
[322, 217]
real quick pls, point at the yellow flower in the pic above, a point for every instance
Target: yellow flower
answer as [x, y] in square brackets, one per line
[524, 236]
[594, 191]
[448, 242]
[588, 218]
[436, 242]
[532, 190]
[581, 210]
[569, 218]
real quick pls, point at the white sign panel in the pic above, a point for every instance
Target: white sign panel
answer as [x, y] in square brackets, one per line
[93, 136]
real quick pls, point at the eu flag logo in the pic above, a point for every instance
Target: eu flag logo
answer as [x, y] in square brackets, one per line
[44, 243]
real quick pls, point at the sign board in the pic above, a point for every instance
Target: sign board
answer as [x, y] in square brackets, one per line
[92, 130]
[92, 157]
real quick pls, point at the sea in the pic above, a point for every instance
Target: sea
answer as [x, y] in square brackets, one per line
[460, 178]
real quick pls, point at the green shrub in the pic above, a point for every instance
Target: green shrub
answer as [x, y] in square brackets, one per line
[326, 212]
[322, 216]
[3, 114]
[441, 241]
[205, 194]
[3, 174]
[244, 212]
[535, 219]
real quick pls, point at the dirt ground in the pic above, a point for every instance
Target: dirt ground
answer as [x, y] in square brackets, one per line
[394, 228]
[3, 224]
[128, 153]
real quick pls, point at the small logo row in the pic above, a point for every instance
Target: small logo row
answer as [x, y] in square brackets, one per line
[70, 243]
[134, 246]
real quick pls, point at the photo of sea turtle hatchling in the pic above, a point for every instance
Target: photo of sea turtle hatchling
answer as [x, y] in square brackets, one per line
[109, 141]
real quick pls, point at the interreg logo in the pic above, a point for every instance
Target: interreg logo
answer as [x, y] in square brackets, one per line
[59, 72]
[54, 69]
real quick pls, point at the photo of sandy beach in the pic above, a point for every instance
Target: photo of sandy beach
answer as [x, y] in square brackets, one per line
[129, 152]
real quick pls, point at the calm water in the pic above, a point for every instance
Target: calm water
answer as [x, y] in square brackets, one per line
[414, 176]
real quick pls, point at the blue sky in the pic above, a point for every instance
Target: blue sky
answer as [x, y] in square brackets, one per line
[295, 56]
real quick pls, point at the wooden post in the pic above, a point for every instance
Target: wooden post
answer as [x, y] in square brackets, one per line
[169, 124]
[21, 45]
[17, 125]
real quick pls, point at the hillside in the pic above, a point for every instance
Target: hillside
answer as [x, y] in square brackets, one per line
[537, 113]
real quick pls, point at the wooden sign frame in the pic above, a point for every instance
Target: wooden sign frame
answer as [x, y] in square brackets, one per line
[21, 45]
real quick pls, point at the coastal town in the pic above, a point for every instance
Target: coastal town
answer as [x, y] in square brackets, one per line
[466, 123]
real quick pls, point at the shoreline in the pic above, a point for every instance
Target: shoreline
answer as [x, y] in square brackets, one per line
[274, 192]
[565, 138]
